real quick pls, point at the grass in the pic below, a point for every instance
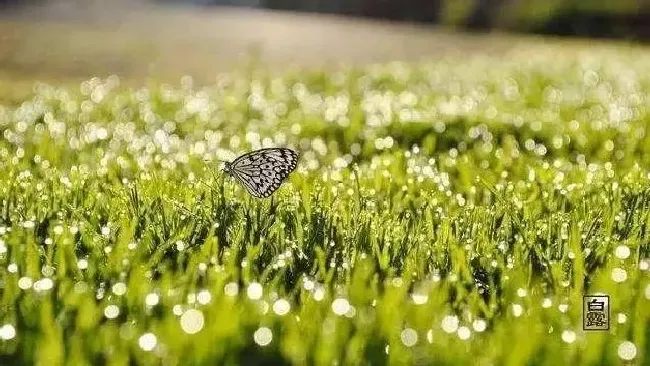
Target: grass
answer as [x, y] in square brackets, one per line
[451, 212]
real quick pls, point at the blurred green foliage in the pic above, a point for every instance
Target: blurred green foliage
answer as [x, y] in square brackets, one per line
[626, 18]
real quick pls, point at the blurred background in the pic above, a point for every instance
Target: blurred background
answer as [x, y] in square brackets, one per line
[65, 40]
[590, 18]
[593, 18]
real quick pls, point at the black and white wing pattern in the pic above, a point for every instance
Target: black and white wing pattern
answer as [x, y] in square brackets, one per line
[263, 171]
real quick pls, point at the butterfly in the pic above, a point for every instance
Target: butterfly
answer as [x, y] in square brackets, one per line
[262, 171]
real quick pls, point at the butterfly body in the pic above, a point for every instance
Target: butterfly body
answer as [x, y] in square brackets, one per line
[262, 171]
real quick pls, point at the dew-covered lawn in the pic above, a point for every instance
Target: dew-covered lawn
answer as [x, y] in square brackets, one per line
[452, 212]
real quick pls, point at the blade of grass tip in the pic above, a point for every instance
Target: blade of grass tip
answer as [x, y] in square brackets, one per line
[182, 208]
[215, 177]
[163, 216]
[272, 206]
[74, 212]
[220, 181]
[504, 202]
[597, 219]
[357, 185]
[135, 201]
[578, 262]
[211, 187]
[258, 209]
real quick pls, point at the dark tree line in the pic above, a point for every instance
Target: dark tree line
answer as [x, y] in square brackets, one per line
[568, 19]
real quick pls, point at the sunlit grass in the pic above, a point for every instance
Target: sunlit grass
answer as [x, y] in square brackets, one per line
[449, 213]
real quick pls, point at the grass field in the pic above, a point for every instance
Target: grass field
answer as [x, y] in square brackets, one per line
[451, 212]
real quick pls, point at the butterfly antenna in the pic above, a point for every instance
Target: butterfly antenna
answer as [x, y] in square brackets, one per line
[218, 160]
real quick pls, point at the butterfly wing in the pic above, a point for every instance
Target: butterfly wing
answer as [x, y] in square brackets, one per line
[262, 172]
